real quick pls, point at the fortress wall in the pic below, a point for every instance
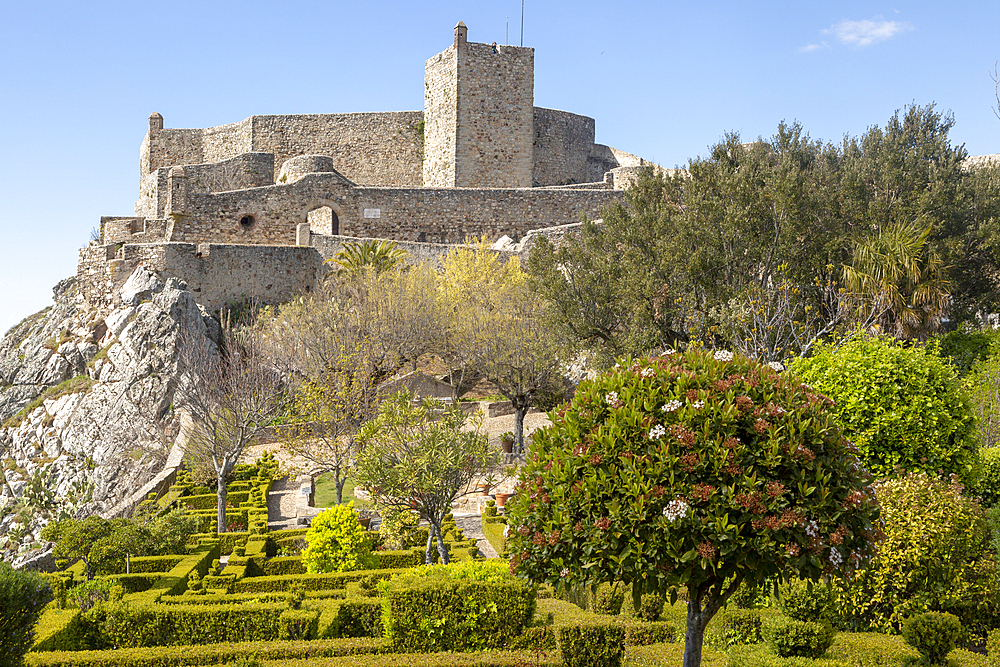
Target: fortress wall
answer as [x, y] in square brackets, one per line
[494, 141]
[371, 148]
[248, 170]
[225, 141]
[600, 161]
[562, 144]
[152, 194]
[445, 215]
[441, 118]
[416, 252]
[215, 274]
[168, 147]
[452, 215]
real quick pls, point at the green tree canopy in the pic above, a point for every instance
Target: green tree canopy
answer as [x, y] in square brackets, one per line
[699, 470]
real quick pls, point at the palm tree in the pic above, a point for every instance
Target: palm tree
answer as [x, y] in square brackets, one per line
[897, 280]
[380, 256]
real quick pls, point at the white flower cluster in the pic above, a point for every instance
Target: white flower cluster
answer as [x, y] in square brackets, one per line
[506, 530]
[657, 432]
[670, 406]
[611, 398]
[675, 509]
[835, 558]
[723, 355]
[647, 372]
[564, 572]
[698, 405]
[812, 529]
[667, 353]
[776, 366]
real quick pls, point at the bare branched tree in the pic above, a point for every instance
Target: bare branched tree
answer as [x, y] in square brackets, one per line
[232, 391]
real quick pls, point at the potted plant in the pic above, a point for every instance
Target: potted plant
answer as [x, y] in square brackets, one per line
[507, 442]
[502, 498]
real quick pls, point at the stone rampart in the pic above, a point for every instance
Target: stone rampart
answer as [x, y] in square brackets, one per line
[373, 148]
[271, 214]
[215, 274]
[432, 253]
[562, 145]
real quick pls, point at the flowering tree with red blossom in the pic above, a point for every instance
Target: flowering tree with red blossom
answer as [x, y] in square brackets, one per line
[702, 469]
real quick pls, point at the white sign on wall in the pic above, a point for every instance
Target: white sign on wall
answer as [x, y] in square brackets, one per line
[373, 213]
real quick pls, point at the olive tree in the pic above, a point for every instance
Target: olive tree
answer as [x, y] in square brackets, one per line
[415, 459]
[703, 470]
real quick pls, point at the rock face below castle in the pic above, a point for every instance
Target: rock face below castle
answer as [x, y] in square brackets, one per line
[86, 404]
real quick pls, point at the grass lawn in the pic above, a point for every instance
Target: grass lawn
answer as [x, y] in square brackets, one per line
[326, 493]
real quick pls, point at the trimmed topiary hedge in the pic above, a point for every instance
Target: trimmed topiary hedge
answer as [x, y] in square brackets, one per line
[464, 606]
[597, 645]
[208, 654]
[164, 625]
[308, 582]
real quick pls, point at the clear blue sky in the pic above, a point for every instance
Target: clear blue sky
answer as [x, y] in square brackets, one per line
[663, 80]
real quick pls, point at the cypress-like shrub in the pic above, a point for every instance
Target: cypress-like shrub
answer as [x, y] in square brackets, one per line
[934, 634]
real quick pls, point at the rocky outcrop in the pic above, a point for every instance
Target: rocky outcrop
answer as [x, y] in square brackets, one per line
[86, 403]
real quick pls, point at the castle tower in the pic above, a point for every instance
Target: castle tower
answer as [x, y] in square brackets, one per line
[479, 115]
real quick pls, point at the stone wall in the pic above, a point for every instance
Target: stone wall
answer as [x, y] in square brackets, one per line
[271, 214]
[371, 148]
[493, 144]
[562, 145]
[215, 274]
[432, 253]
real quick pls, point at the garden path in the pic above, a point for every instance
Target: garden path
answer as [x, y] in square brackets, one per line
[281, 504]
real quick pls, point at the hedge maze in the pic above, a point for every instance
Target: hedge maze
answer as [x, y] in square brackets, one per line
[259, 603]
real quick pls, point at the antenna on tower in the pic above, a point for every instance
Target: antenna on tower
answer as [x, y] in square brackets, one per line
[506, 23]
[522, 22]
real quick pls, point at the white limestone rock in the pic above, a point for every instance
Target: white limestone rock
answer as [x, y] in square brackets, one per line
[139, 286]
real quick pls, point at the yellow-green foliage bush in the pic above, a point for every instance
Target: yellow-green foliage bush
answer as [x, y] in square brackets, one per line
[935, 557]
[337, 542]
[900, 405]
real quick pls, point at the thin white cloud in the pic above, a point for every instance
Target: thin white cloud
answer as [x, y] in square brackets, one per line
[813, 47]
[866, 32]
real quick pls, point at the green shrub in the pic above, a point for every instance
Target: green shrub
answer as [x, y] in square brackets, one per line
[758, 656]
[222, 653]
[400, 559]
[964, 347]
[163, 625]
[936, 556]
[934, 634]
[805, 600]
[642, 634]
[983, 383]
[608, 599]
[359, 618]
[746, 596]
[462, 606]
[90, 593]
[900, 405]
[283, 565]
[987, 487]
[592, 645]
[298, 624]
[337, 542]
[807, 639]
[650, 607]
[22, 597]
[741, 626]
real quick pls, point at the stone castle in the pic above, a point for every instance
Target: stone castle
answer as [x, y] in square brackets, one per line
[254, 207]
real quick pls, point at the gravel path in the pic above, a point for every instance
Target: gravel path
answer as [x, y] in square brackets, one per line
[281, 503]
[472, 526]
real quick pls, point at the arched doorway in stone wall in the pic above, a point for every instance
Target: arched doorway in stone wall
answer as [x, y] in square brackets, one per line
[323, 217]
[323, 220]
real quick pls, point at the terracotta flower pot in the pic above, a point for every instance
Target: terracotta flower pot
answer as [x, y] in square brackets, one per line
[507, 446]
[502, 498]
[484, 489]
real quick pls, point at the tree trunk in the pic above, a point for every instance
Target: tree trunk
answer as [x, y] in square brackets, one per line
[441, 550]
[430, 544]
[220, 494]
[520, 407]
[340, 481]
[695, 635]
